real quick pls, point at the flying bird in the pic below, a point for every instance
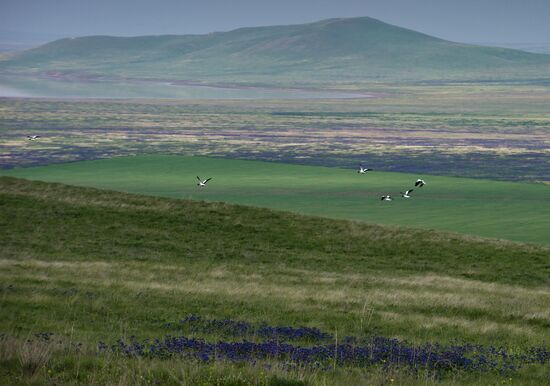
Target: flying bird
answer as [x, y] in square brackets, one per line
[32, 137]
[407, 193]
[202, 183]
[420, 183]
[363, 170]
[387, 197]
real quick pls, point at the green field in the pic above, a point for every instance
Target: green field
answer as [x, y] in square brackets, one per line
[94, 266]
[506, 210]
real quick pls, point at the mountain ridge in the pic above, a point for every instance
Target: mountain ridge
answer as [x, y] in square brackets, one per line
[338, 49]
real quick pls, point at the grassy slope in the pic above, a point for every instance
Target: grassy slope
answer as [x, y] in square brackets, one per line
[94, 265]
[505, 210]
[335, 49]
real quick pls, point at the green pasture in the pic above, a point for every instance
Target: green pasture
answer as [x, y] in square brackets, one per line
[505, 210]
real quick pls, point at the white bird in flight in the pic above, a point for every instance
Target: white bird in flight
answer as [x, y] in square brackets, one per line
[363, 170]
[32, 137]
[407, 193]
[420, 183]
[202, 183]
[387, 197]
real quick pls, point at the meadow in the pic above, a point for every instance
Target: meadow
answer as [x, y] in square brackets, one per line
[89, 275]
[505, 210]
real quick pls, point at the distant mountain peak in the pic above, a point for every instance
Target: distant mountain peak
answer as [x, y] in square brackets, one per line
[330, 50]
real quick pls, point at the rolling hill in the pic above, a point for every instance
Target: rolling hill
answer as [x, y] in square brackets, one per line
[334, 50]
[83, 269]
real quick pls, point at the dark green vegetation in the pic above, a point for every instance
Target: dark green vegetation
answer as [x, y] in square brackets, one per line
[91, 265]
[344, 51]
[505, 210]
[493, 132]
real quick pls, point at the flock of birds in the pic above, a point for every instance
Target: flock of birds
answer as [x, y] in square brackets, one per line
[387, 197]
[362, 170]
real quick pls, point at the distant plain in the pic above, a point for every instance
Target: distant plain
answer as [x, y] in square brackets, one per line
[471, 130]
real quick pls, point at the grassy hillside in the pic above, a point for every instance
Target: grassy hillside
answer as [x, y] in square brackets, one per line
[506, 210]
[341, 50]
[91, 266]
